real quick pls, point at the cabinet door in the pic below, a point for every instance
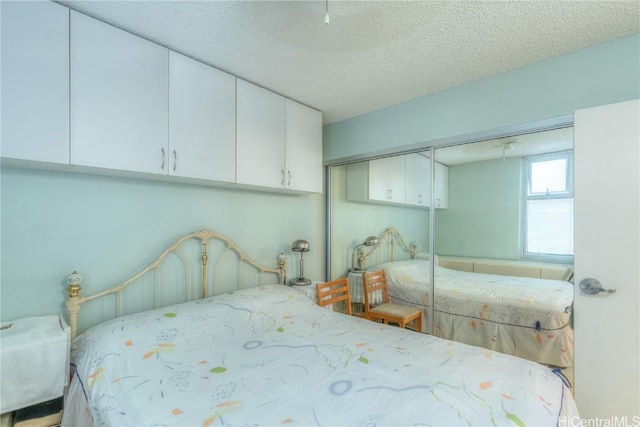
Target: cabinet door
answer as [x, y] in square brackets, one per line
[303, 148]
[119, 99]
[418, 187]
[441, 186]
[35, 81]
[260, 136]
[387, 179]
[202, 126]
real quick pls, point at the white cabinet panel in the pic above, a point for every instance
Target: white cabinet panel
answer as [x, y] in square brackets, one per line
[202, 126]
[303, 148]
[418, 178]
[260, 136]
[387, 179]
[402, 179]
[35, 81]
[441, 186]
[119, 99]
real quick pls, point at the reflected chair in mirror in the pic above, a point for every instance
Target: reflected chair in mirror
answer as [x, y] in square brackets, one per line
[332, 292]
[376, 288]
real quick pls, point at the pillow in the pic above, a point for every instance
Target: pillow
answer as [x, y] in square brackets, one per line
[425, 256]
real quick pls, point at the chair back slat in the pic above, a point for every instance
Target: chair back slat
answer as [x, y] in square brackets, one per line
[334, 291]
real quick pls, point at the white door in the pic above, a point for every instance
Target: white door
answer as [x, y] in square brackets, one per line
[607, 248]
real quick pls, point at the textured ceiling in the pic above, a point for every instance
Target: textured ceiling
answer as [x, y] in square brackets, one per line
[373, 54]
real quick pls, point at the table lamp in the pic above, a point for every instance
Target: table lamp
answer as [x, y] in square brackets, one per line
[369, 241]
[301, 246]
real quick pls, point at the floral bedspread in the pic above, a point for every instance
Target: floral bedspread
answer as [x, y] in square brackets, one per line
[270, 356]
[517, 315]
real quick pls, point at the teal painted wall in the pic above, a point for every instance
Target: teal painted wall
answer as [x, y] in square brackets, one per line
[602, 74]
[108, 228]
[483, 219]
[353, 222]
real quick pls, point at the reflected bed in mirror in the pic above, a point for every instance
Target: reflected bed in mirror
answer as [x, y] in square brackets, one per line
[527, 317]
[486, 225]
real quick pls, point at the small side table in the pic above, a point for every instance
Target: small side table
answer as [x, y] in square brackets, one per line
[308, 290]
[356, 290]
[34, 354]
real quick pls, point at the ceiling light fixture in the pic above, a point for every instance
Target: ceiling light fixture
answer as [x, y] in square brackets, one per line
[326, 14]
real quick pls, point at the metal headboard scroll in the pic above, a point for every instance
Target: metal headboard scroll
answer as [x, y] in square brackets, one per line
[74, 281]
[385, 250]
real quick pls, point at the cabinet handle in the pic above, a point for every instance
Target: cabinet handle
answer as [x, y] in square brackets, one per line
[282, 182]
[162, 165]
[175, 160]
[288, 177]
[438, 202]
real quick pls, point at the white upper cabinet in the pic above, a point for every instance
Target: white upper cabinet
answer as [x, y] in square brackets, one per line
[279, 142]
[260, 136]
[404, 179]
[118, 99]
[202, 126]
[418, 180]
[441, 186]
[35, 82]
[380, 180]
[387, 179]
[303, 148]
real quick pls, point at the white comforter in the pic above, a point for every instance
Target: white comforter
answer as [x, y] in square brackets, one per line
[270, 356]
[516, 315]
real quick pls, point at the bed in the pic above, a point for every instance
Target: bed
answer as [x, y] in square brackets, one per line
[522, 316]
[268, 355]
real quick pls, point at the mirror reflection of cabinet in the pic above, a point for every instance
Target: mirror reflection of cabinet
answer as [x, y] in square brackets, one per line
[404, 179]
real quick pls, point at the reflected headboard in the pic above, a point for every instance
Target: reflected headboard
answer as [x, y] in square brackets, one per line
[391, 247]
[201, 263]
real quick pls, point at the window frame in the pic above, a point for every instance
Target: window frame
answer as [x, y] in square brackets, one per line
[528, 161]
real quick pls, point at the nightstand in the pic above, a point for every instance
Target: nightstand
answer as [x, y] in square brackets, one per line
[34, 355]
[308, 290]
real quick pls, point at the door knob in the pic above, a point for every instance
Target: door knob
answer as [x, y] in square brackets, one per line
[592, 286]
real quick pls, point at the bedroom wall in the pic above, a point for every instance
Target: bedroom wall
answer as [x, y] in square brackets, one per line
[483, 219]
[108, 228]
[353, 222]
[599, 75]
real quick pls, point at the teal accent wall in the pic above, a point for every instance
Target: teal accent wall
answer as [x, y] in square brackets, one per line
[599, 75]
[353, 222]
[108, 228]
[483, 219]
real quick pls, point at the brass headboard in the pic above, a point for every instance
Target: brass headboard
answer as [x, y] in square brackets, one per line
[203, 237]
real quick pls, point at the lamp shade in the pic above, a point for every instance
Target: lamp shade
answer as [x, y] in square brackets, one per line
[371, 241]
[300, 246]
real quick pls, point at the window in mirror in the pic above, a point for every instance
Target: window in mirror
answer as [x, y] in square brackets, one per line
[549, 206]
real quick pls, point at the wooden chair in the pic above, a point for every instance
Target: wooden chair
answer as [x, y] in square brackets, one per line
[376, 282]
[334, 291]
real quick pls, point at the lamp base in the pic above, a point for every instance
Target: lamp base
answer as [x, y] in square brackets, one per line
[301, 281]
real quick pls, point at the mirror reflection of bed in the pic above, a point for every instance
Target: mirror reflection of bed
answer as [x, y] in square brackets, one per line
[493, 235]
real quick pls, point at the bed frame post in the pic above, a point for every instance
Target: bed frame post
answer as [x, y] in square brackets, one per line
[204, 258]
[73, 303]
[281, 267]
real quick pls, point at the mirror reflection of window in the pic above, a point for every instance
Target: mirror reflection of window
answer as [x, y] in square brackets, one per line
[548, 226]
